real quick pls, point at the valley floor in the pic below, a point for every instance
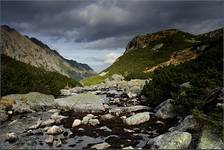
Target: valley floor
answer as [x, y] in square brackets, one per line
[109, 115]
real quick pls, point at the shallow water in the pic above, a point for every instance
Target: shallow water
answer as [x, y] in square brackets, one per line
[115, 133]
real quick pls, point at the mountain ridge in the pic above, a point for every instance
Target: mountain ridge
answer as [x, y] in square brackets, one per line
[149, 52]
[34, 52]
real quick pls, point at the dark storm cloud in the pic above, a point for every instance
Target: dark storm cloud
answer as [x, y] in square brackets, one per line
[112, 23]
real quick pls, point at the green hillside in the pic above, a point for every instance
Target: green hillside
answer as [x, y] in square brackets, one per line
[18, 77]
[205, 75]
[134, 62]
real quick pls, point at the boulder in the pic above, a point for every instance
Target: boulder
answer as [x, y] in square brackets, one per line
[101, 146]
[122, 110]
[85, 120]
[76, 123]
[58, 142]
[188, 123]
[94, 122]
[11, 137]
[107, 117]
[57, 118]
[47, 122]
[137, 119]
[171, 140]
[210, 140]
[84, 102]
[165, 110]
[129, 147]
[36, 125]
[3, 116]
[55, 130]
[50, 139]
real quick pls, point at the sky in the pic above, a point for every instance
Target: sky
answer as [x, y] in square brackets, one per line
[96, 32]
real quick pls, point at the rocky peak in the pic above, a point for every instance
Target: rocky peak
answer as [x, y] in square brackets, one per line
[143, 41]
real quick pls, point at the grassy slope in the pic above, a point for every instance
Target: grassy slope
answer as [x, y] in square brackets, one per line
[133, 63]
[18, 77]
[205, 73]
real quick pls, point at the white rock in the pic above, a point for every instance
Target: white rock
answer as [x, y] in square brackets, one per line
[57, 118]
[129, 147]
[94, 122]
[107, 117]
[11, 137]
[47, 122]
[101, 146]
[50, 139]
[171, 140]
[55, 130]
[36, 125]
[165, 110]
[76, 123]
[137, 118]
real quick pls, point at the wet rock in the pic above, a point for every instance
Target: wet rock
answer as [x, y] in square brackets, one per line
[105, 128]
[122, 110]
[160, 122]
[171, 140]
[11, 137]
[57, 118]
[81, 129]
[128, 130]
[94, 122]
[76, 123]
[137, 119]
[49, 139]
[54, 130]
[36, 125]
[47, 122]
[188, 123]
[129, 147]
[165, 110]
[57, 142]
[107, 117]
[34, 132]
[210, 140]
[101, 146]
[3, 116]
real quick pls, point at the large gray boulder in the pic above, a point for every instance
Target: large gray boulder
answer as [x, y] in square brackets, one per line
[123, 110]
[165, 110]
[82, 103]
[171, 140]
[137, 119]
[189, 122]
[210, 140]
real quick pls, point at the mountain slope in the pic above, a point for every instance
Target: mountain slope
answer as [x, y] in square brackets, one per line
[19, 77]
[146, 53]
[34, 52]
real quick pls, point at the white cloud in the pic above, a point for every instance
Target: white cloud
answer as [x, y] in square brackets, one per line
[96, 14]
[111, 57]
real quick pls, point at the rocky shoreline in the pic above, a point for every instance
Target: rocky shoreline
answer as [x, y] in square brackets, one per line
[108, 115]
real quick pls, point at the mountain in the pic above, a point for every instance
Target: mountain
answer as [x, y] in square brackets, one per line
[35, 53]
[19, 77]
[146, 53]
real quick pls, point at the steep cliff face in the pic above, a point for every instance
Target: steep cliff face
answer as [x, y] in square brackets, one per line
[33, 52]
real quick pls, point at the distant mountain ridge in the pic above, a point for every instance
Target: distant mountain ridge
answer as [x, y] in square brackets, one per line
[35, 53]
